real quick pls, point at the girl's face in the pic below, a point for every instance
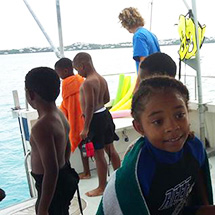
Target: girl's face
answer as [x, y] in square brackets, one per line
[165, 121]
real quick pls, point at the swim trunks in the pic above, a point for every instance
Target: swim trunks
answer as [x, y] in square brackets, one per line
[102, 129]
[65, 189]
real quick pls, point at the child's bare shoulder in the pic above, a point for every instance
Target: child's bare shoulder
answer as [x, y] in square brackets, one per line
[91, 82]
[44, 126]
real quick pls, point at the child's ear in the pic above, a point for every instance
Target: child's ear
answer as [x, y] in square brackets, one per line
[138, 127]
[82, 66]
[66, 71]
[31, 95]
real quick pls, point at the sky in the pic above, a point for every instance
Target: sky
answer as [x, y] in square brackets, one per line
[92, 21]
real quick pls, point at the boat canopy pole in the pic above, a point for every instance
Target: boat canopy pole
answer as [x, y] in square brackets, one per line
[195, 63]
[151, 15]
[186, 4]
[42, 29]
[59, 28]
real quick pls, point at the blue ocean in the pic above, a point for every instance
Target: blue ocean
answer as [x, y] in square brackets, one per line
[107, 61]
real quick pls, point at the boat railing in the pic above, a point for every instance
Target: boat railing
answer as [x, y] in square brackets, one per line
[194, 88]
[31, 182]
[188, 79]
[117, 74]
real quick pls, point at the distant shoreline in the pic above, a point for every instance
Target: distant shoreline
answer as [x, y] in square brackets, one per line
[91, 46]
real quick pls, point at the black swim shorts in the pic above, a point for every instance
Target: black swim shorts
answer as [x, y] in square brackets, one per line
[102, 129]
[65, 189]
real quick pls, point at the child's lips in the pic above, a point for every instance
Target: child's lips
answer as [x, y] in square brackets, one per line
[174, 139]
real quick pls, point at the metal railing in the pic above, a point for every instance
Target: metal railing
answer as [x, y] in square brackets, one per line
[184, 80]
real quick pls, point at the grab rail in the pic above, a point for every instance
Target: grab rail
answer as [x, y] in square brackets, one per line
[184, 81]
[30, 179]
[195, 82]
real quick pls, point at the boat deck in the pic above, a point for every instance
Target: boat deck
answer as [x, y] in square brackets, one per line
[27, 208]
[90, 204]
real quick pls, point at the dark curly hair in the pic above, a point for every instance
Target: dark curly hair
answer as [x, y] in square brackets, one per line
[44, 81]
[158, 64]
[153, 85]
[64, 63]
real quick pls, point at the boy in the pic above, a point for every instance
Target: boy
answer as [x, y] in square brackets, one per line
[144, 41]
[98, 124]
[156, 64]
[71, 107]
[56, 182]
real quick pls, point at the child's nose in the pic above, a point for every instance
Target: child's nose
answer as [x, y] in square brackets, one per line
[171, 125]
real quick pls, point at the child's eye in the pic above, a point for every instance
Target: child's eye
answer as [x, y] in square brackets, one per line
[157, 122]
[180, 115]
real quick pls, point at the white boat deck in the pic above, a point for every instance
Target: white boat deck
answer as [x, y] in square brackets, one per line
[90, 204]
[27, 208]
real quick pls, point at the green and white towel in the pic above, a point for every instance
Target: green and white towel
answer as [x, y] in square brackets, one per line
[123, 195]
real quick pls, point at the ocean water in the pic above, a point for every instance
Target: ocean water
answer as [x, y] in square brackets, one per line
[110, 61]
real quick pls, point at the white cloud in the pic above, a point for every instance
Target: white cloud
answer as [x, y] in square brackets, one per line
[90, 21]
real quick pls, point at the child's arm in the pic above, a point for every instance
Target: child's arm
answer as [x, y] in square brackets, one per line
[68, 150]
[106, 95]
[138, 75]
[137, 83]
[64, 110]
[206, 210]
[44, 140]
[89, 108]
[201, 188]
[200, 210]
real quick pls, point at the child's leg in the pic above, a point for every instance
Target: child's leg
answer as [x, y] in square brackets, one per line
[101, 166]
[85, 161]
[113, 155]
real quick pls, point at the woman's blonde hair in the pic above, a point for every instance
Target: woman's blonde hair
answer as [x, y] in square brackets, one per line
[130, 18]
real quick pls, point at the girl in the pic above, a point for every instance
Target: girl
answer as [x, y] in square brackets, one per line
[167, 171]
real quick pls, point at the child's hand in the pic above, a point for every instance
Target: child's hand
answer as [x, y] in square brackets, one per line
[2, 194]
[84, 134]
